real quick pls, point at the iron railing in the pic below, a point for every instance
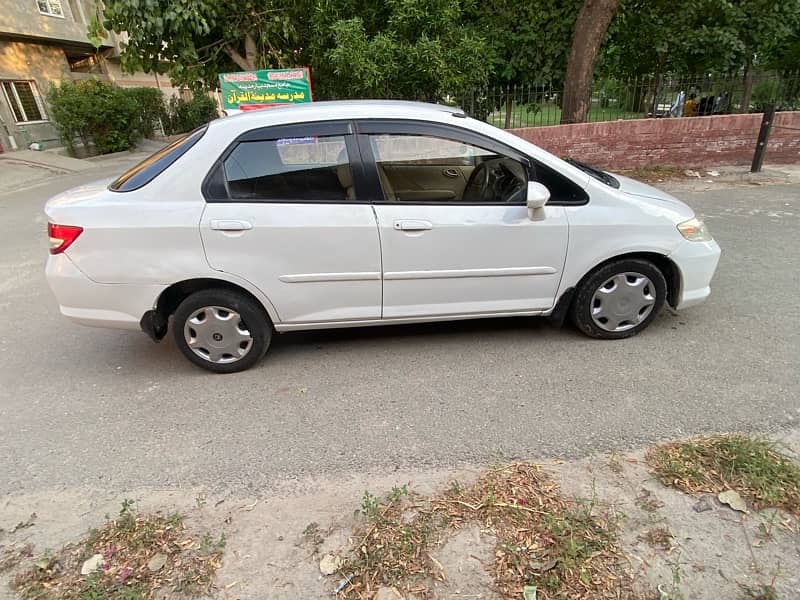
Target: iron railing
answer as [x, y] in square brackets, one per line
[637, 98]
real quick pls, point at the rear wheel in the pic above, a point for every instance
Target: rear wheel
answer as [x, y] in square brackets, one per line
[619, 299]
[221, 330]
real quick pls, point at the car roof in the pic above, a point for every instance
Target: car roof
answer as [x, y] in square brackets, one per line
[342, 109]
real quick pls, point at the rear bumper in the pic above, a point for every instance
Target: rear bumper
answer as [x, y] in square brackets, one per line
[697, 262]
[87, 302]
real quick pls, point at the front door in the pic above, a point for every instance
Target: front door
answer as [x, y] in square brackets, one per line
[456, 236]
[283, 212]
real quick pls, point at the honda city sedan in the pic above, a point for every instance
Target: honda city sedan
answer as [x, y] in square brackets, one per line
[344, 214]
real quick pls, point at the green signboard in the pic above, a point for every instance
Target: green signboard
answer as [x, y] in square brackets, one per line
[252, 90]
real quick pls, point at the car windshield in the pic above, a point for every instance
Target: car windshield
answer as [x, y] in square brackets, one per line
[598, 174]
[155, 164]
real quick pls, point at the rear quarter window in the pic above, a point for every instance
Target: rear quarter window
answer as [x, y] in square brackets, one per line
[155, 164]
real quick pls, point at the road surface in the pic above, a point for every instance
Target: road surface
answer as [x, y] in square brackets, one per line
[109, 409]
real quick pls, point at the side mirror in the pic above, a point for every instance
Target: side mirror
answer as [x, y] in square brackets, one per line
[538, 195]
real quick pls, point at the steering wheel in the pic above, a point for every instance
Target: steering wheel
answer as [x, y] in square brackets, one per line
[491, 181]
[479, 188]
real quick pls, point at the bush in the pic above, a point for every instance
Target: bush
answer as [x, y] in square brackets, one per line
[111, 117]
[186, 115]
[150, 105]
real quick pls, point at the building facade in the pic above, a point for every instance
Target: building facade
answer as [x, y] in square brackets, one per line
[45, 42]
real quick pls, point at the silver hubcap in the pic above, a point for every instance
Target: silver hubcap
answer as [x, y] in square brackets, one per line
[623, 302]
[217, 334]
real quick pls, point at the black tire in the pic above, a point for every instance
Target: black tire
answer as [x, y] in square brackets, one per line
[253, 319]
[582, 306]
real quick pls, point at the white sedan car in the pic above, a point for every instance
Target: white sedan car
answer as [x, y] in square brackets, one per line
[341, 214]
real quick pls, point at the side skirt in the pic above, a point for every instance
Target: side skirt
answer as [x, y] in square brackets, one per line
[280, 327]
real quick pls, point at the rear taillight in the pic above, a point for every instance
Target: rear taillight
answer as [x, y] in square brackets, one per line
[62, 236]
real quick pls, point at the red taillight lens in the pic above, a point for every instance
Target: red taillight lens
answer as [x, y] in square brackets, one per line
[62, 236]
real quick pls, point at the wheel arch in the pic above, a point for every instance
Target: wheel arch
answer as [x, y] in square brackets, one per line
[668, 268]
[154, 322]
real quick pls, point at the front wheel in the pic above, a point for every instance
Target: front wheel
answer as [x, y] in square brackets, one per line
[619, 299]
[221, 330]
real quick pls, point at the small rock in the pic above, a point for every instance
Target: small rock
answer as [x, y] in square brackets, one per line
[732, 499]
[388, 593]
[713, 173]
[703, 505]
[329, 564]
[157, 562]
[91, 565]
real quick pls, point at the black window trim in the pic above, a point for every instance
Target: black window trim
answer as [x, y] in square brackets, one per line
[336, 128]
[116, 184]
[366, 127]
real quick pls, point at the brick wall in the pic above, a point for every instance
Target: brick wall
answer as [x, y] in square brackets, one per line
[684, 142]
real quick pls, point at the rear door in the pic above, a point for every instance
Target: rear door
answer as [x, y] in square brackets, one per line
[285, 213]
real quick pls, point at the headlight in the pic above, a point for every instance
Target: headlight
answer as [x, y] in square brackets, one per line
[695, 230]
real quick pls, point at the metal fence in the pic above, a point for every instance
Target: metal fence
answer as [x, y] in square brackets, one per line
[642, 97]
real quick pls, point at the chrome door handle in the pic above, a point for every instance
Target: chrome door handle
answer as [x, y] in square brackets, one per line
[413, 225]
[230, 225]
[450, 173]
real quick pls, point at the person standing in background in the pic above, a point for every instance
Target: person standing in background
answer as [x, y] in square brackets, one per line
[690, 106]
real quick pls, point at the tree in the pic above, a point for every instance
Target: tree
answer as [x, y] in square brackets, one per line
[412, 49]
[701, 37]
[590, 29]
[194, 40]
[527, 40]
[761, 25]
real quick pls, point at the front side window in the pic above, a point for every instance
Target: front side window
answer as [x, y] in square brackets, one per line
[50, 7]
[25, 102]
[315, 169]
[428, 169]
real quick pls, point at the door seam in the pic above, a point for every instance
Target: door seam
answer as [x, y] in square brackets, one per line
[380, 247]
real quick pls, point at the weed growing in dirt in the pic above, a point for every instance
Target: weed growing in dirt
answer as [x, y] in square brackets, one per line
[646, 501]
[141, 555]
[564, 548]
[749, 465]
[658, 537]
[764, 592]
[369, 505]
[656, 173]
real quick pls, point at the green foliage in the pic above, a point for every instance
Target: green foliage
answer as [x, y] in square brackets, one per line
[185, 115]
[528, 41]
[112, 118]
[194, 40]
[413, 49]
[719, 36]
[150, 104]
[369, 504]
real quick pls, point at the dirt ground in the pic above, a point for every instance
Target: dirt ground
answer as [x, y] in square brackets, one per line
[274, 549]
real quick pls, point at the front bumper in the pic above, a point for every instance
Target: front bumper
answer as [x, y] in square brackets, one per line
[87, 302]
[697, 262]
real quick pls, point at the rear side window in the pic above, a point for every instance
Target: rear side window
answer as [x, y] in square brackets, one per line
[313, 169]
[154, 165]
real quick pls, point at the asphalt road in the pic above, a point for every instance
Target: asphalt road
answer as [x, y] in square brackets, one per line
[110, 409]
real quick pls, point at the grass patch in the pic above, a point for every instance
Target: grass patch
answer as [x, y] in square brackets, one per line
[564, 548]
[142, 556]
[549, 113]
[749, 465]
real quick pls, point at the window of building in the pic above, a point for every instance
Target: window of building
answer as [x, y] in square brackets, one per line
[50, 7]
[25, 102]
[83, 63]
